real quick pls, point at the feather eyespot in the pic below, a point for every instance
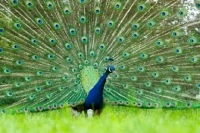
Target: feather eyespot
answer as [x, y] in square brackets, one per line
[25, 109]
[188, 105]
[140, 7]
[180, 13]
[168, 104]
[15, 2]
[1, 30]
[1, 50]
[97, 10]
[149, 104]
[40, 108]
[19, 62]
[49, 107]
[139, 104]
[61, 106]
[7, 71]
[135, 26]
[30, 4]
[197, 5]
[55, 106]
[110, 23]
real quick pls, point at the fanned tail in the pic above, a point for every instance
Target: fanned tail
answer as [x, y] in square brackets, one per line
[53, 52]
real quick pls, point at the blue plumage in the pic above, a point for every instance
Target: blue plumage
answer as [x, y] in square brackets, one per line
[94, 99]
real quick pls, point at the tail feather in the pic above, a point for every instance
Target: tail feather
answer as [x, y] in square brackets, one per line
[47, 48]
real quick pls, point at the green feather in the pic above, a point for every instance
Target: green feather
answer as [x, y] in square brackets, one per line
[53, 52]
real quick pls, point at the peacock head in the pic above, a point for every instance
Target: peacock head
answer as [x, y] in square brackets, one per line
[110, 69]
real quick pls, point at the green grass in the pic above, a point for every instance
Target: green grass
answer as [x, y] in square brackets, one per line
[114, 119]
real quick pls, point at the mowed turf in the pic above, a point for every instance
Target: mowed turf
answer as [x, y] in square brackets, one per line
[114, 119]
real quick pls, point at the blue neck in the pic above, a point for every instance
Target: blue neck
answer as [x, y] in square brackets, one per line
[98, 88]
[95, 95]
[102, 80]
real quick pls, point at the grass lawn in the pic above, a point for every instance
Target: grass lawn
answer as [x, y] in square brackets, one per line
[114, 119]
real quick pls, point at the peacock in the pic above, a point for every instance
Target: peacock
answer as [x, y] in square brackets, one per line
[88, 53]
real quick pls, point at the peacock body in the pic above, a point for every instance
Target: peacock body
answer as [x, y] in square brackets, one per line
[53, 52]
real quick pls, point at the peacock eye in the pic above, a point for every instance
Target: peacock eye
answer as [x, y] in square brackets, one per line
[140, 7]
[97, 30]
[29, 4]
[163, 13]
[14, 1]
[25, 109]
[197, 5]
[15, 46]
[1, 50]
[174, 33]
[50, 5]
[150, 24]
